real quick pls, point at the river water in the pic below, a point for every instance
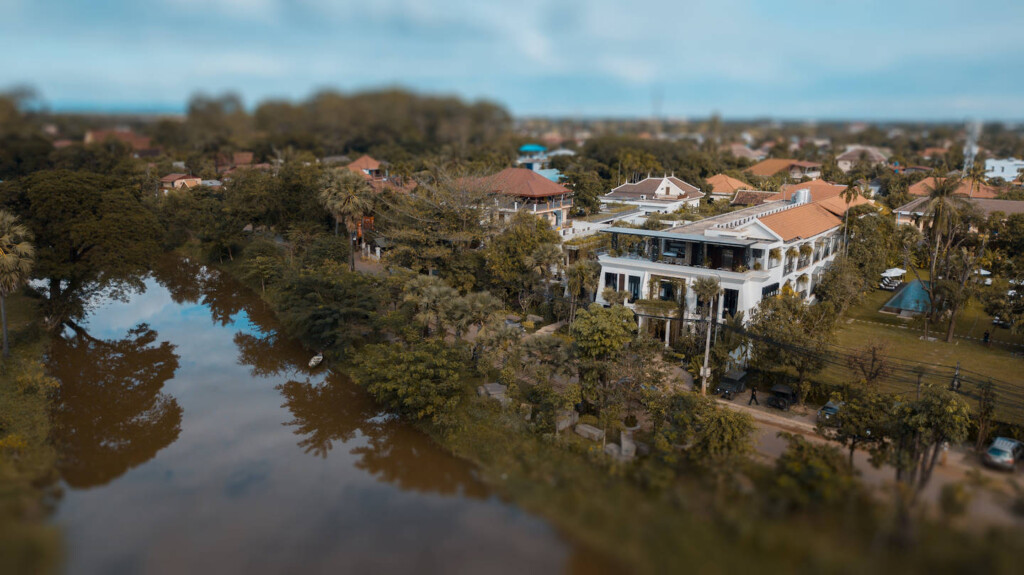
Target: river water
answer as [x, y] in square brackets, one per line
[194, 439]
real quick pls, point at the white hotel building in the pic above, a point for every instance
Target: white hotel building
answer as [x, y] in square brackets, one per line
[753, 252]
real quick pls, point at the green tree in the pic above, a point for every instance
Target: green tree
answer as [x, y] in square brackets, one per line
[581, 278]
[419, 380]
[17, 254]
[508, 256]
[811, 475]
[432, 299]
[915, 435]
[91, 235]
[328, 309]
[346, 196]
[547, 261]
[791, 334]
[861, 420]
[600, 333]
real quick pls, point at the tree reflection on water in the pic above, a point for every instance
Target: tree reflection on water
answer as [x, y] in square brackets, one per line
[110, 414]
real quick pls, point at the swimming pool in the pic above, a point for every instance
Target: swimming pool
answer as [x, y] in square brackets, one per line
[912, 297]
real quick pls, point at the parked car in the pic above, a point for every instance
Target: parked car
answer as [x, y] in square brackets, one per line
[1004, 453]
[732, 384]
[782, 397]
[828, 415]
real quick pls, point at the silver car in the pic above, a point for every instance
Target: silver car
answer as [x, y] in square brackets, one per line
[1004, 453]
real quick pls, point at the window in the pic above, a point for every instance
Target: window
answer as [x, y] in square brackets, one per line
[667, 291]
[611, 280]
[770, 290]
[634, 288]
[730, 301]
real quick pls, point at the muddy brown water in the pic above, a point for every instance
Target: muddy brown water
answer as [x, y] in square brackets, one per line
[195, 439]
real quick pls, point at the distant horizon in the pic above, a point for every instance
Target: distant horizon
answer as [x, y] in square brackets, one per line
[169, 109]
[877, 60]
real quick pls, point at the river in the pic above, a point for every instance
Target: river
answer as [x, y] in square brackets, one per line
[195, 439]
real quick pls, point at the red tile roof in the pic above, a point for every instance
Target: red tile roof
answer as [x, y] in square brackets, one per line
[966, 188]
[801, 222]
[722, 184]
[364, 163]
[838, 206]
[523, 183]
[174, 178]
[772, 166]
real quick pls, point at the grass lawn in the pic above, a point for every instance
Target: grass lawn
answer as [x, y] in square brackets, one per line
[27, 459]
[1002, 361]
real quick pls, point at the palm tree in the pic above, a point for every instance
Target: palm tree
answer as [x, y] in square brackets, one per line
[976, 175]
[542, 260]
[581, 276]
[346, 195]
[17, 254]
[850, 194]
[432, 298]
[707, 288]
[943, 209]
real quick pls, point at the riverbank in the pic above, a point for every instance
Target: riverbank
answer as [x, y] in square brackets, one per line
[650, 517]
[27, 456]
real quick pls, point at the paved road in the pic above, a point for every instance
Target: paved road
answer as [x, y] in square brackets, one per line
[990, 504]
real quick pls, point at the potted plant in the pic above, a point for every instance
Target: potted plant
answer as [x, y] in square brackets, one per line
[775, 254]
[806, 250]
[758, 266]
[792, 252]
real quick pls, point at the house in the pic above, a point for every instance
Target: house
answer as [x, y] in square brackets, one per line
[913, 213]
[723, 186]
[819, 190]
[135, 141]
[742, 150]
[933, 152]
[228, 163]
[753, 253]
[1008, 169]
[378, 178]
[794, 169]
[663, 195]
[525, 190]
[366, 166]
[964, 188]
[178, 181]
[857, 153]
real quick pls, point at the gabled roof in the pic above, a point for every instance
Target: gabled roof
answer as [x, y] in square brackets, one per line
[801, 222]
[242, 158]
[838, 206]
[722, 184]
[965, 188]
[820, 190]
[364, 163]
[649, 187]
[523, 183]
[169, 178]
[986, 205]
[772, 166]
[854, 154]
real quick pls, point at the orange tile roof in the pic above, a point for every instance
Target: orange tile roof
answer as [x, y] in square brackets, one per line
[820, 190]
[769, 167]
[838, 206]
[772, 166]
[750, 197]
[966, 188]
[724, 185]
[801, 222]
[364, 163]
[523, 183]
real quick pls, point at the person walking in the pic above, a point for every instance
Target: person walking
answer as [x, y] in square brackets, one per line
[985, 337]
[753, 397]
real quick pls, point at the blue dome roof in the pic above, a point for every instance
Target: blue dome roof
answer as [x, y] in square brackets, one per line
[532, 148]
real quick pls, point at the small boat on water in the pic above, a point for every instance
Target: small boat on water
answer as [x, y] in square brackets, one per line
[315, 361]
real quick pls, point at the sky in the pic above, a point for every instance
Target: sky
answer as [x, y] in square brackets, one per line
[791, 59]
